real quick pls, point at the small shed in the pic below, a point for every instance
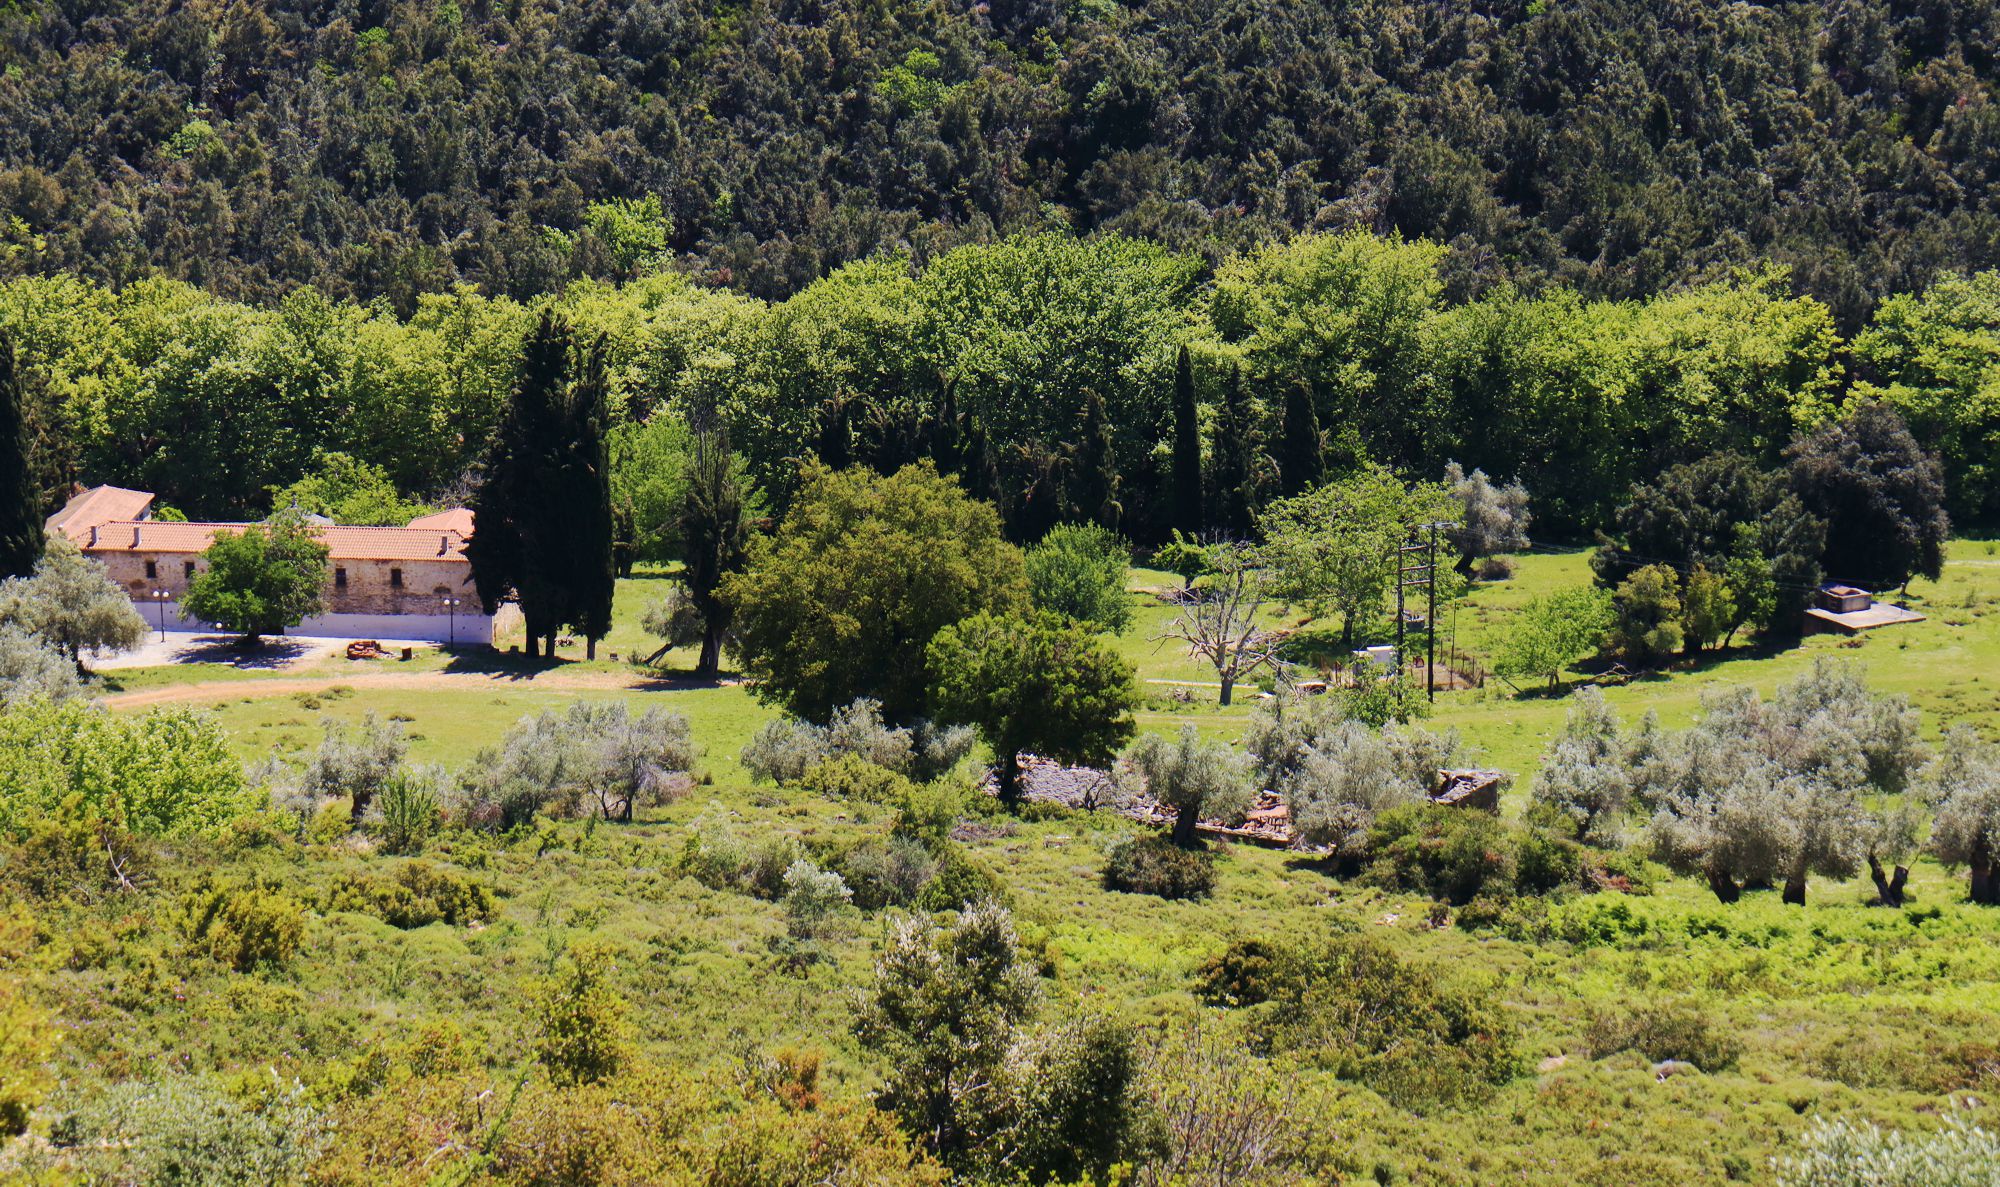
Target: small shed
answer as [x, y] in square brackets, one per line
[1844, 599]
[1851, 610]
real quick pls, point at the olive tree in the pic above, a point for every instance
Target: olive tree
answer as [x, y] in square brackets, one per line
[1962, 786]
[1585, 774]
[29, 668]
[356, 761]
[1195, 778]
[1493, 519]
[1353, 773]
[1760, 792]
[71, 603]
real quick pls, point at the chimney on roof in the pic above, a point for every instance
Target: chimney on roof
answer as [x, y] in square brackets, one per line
[135, 535]
[93, 535]
[444, 543]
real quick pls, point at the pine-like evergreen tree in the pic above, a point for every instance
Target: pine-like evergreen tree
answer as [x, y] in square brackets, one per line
[1094, 469]
[1187, 449]
[20, 500]
[542, 522]
[1302, 450]
[1233, 450]
[714, 528]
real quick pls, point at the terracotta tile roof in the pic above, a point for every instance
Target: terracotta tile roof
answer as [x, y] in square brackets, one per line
[106, 519]
[342, 543]
[98, 505]
[458, 519]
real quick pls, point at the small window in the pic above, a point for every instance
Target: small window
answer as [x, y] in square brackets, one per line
[340, 579]
[187, 570]
[152, 570]
[395, 579]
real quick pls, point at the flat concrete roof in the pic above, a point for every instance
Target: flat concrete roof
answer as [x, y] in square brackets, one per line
[1880, 614]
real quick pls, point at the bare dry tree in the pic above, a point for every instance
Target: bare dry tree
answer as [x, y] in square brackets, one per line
[1218, 617]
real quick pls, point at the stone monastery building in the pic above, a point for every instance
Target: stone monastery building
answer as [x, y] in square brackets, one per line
[385, 583]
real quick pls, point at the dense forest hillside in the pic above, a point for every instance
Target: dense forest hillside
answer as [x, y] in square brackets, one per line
[395, 147]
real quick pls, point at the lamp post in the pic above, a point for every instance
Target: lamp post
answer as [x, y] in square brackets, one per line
[160, 611]
[451, 620]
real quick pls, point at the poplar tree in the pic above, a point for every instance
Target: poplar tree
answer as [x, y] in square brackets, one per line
[20, 501]
[1187, 449]
[1302, 450]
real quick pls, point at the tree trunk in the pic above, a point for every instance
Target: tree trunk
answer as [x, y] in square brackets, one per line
[1010, 778]
[1228, 686]
[710, 662]
[1184, 826]
[1795, 889]
[590, 647]
[1985, 887]
[1888, 890]
[1724, 886]
[1464, 565]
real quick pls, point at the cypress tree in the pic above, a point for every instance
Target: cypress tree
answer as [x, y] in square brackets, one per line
[589, 575]
[1232, 449]
[20, 501]
[714, 526]
[542, 520]
[1302, 451]
[1096, 468]
[1187, 449]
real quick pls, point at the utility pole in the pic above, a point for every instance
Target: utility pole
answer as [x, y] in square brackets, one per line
[1422, 545]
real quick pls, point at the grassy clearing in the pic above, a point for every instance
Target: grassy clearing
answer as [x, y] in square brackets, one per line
[1835, 1008]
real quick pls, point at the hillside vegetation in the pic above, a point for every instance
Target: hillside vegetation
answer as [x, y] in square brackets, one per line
[395, 148]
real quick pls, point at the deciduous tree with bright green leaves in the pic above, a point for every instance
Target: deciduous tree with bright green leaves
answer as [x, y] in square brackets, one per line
[842, 600]
[1333, 550]
[1032, 684]
[263, 580]
[1552, 632]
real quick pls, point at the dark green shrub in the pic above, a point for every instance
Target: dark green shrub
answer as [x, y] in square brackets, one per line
[884, 873]
[852, 777]
[1448, 853]
[1247, 973]
[417, 894]
[928, 813]
[1545, 862]
[1155, 865]
[243, 925]
[960, 882]
[1367, 1015]
[1680, 1030]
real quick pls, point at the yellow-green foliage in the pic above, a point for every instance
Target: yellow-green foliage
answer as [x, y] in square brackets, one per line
[584, 1034]
[243, 925]
[27, 1039]
[418, 893]
[167, 773]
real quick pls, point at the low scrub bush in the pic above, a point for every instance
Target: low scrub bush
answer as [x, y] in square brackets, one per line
[1155, 865]
[1247, 973]
[1677, 1030]
[242, 925]
[960, 882]
[416, 895]
[1360, 1011]
[1456, 855]
[782, 751]
[885, 873]
[1856, 1154]
[187, 1130]
[166, 773]
[851, 777]
[581, 1027]
[73, 856]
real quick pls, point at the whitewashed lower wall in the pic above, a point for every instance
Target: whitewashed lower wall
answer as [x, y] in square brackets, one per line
[465, 629]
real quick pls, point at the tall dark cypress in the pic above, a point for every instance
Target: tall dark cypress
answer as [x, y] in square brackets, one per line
[1302, 451]
[1187, 449]
[585, 526]
[20, 501]
[714, 526]
[1233, 450]
[542, 521]
[1095, 468]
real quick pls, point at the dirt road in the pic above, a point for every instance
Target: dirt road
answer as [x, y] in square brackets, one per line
[259, 689]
